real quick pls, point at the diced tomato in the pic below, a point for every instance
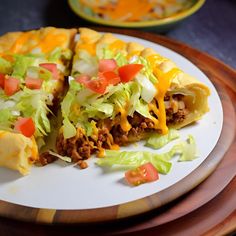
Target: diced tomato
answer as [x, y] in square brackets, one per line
[98, 85]
[52, 67]
[32, 83]
[25, 126]
[142, 174]
[110, 76]
[107, 65]
[2, 79]
[11, 86]
[128, 72]
[83, 79]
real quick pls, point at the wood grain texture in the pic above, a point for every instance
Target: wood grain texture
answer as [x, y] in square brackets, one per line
[223, 78]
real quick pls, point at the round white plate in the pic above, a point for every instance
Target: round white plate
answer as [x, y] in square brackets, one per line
[64, 186]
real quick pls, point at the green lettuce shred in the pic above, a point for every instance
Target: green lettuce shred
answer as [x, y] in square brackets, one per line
[157, 141]
[189, 149]
[186, 150]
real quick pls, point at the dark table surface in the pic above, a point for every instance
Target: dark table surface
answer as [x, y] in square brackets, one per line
[212, 29]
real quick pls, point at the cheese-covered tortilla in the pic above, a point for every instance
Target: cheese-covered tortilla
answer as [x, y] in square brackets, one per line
[43, 40]
[17, 152]
[171, 79]
[159, 96]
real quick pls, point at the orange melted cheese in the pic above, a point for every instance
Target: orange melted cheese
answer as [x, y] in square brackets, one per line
[162, 87]
[117, 45]
[124, 123]
[29, 41]
[163, 84]
[89, 47]
[86, 45]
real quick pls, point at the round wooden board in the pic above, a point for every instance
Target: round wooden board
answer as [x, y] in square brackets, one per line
[222, 77]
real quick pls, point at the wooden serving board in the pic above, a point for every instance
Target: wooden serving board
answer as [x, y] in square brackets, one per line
[223, 78]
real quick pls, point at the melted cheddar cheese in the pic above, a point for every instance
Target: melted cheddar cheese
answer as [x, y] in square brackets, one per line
[46, 41]
[163, 84]
[124, 123]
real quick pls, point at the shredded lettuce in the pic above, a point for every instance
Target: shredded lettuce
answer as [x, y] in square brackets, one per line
[142, 109]
[63, 158]
[55, 54]
[6, 118]
[68, 129]
[186, 150]
[31, 103]
[135, 159]
[157, 141]
[120, 59]
[148, 89]
[21, 64]
[107, 53]
[189, 149]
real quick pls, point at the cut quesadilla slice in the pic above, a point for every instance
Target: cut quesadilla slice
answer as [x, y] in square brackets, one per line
[38, 56]
[33, 66]
[121, 92]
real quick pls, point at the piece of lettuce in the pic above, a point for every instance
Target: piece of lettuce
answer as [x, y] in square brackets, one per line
[107, 53]
[134, 159]
[55, 55]
[31, 103]
[120, 59]
[189, 149]
[157, 141]
[6, 118]
[21, 64]
[186, 150]
[68, 129]
[142, 109]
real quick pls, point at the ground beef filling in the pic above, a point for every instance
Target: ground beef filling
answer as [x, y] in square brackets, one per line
[80, 147]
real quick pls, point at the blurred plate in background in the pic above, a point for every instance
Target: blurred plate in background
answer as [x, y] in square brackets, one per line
[120, 16]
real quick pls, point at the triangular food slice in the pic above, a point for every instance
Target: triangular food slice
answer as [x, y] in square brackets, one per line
[32, 69]
[120, 92]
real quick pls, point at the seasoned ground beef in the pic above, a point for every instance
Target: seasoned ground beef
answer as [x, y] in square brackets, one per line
[80, 147]
[46, 158]
[177, 117]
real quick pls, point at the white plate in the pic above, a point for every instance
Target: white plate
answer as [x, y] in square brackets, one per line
[62, 186]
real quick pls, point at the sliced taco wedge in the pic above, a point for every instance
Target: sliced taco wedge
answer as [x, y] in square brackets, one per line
[121, 92]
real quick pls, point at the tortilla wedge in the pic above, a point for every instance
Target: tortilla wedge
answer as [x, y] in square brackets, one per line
[94, 121]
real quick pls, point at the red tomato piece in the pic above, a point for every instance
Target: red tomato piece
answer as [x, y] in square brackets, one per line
[98, 85]
[128, 72]
[107, 65]
[32, 83]
[52, 67]
[142, 174]
[2, 79]
[110, 76]
[11, 86]
[25, 126]
[83, 79]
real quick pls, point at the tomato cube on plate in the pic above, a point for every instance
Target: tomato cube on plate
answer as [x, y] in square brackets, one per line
[142, 174]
